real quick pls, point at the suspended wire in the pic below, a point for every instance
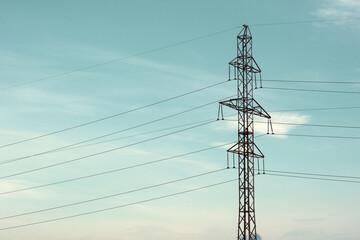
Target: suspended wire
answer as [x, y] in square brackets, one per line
[12, 160]
[100, 153]
[314, 136]
[107, 135]
[309, 81]
[311, 90]
[74, 146]
[135, 135]
[112, 116]
[165, 47]
[317, 125]
[304, 21]
[313, 178]
[313, 174]
[162, 197]
[314, 109]
[116, 170]
[302, 124]
[183, 179]
[113, 195]
[117, 207]
[119, 59]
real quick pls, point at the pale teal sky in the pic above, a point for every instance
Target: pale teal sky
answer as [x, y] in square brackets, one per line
[43, 38]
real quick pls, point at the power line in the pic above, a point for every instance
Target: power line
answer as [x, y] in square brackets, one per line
[136, 135]
[313, 174]
[71, 146]
[314, 109]
[303, 124]
[314, 136]
[105, 135]
[166, 196]
[120, 169]
[318, 125]
[311, 90]
[99, 153]
[117, 207]
[112, 195]
[313, 178]
[309, 81]
[115, 170]
[304, 21]
[164, 47]
[183, 179]
[118, 59]
[112, 116]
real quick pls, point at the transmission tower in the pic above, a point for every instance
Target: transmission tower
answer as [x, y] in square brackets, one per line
[245, 151]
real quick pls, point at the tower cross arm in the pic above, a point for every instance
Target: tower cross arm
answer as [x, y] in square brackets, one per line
[260, 111]
[238, 62]
[238, 149]
[256, 109]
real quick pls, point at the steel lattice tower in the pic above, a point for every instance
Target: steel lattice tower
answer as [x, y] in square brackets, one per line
[245, 151]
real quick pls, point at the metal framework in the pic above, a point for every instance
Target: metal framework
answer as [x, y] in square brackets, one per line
[245, 150]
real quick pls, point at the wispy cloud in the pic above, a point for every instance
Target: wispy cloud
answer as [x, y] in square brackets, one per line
[337, 9]
[261, 126]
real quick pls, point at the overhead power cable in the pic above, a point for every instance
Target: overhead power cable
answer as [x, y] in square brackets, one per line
[106, 135]
[117, 207]
[308, 81]
[165, 196]
[100, 153]
[165, 47]
[312, 174]
[118, 59]
[314, 136]
[73, 146]
[316, 125]
[314, 109]
[313, 178]
[135, 135]
[112, 195]
[304, 21]
[311, 90]
[302, 124]
[68, 146]
[112, 116]
[186, 178]
[115, 170]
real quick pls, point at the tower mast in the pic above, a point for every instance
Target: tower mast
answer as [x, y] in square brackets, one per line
[245, 71]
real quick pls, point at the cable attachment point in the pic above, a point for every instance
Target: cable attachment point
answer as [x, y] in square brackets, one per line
[269, 127]
[233, 160]
[220, 112]
[255, 81]
[263, 165]
[227, 160]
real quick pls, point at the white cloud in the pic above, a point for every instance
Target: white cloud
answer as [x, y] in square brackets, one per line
[337, 9]
[261, 126]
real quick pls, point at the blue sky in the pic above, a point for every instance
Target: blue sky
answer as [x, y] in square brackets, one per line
[43, 38]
